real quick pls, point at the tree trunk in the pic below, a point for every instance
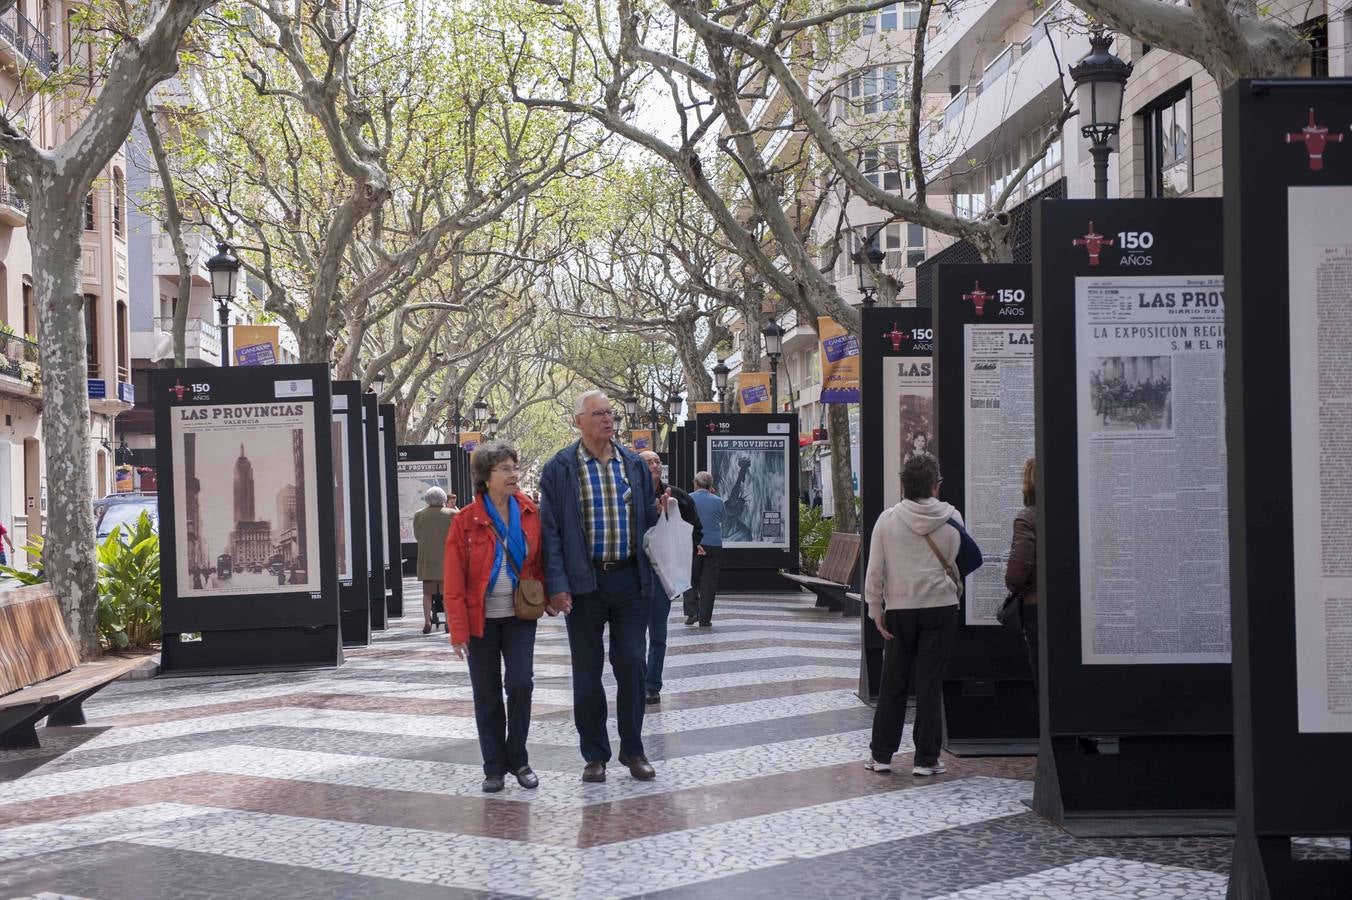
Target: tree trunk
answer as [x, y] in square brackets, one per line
[842, 477]
[173, 224]
[68, 555]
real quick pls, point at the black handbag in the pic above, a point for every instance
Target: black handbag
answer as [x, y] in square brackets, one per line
[1010, 613]
[969, 554]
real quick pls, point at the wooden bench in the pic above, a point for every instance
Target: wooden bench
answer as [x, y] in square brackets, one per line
[40, 671]
[835, 576]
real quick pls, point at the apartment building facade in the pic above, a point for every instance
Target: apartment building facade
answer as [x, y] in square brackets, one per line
[38, 37]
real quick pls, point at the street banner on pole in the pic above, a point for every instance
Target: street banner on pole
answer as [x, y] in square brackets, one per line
[753, 392]
[840, 362]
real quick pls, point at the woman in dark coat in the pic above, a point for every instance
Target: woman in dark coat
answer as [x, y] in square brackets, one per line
[1021, 570]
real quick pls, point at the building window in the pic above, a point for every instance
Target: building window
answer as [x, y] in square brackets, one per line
[89, 212]
[881, 165]
[1168, 144]
[123, 363]
[30, 310]
[884, 19]
[904, 244]
[1316, 34]
[910, 15]
[876, 90]
[119, 203]
[92, 334]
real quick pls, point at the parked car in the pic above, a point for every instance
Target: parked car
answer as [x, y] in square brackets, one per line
[124, 509]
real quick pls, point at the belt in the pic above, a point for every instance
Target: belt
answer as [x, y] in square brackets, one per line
[614, 564]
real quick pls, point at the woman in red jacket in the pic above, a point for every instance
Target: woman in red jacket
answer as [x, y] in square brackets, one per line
[490, 541]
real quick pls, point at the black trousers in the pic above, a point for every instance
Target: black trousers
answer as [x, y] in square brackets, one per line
[921, 638]
[502, 732]
[699, 600]
[618, 601]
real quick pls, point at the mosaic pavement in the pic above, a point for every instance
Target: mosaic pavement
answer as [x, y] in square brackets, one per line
[364, 782]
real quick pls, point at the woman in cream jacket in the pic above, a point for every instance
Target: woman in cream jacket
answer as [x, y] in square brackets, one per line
[911, 587]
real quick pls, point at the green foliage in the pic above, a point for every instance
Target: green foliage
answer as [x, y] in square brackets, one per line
[129, 587]
[34, 575]
[814, 535]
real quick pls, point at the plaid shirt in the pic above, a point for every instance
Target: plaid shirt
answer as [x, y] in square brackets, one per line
[606, 496]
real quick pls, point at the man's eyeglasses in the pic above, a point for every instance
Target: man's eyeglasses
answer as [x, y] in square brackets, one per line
[602, 414]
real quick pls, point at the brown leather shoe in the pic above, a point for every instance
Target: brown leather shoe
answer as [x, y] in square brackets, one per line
[639, 767]
[594, 772]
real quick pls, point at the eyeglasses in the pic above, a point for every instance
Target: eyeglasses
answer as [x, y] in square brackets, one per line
[506, 470]
[602, 414]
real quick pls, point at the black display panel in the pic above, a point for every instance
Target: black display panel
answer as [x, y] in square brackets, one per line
[896, 412]
[1288, 269]
[249, 575]
[1134, 613]
[375, 523]
[351, 542]
[983, 405]
[394, 566]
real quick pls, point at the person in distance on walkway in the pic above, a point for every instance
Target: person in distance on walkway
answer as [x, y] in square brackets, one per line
[490, 542]
[430, 525]
[1021, 568]
[596, 503]
[911, 587]
[699, 603]
[657, 622]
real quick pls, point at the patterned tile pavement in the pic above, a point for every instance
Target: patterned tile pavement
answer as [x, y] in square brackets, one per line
[364, 782]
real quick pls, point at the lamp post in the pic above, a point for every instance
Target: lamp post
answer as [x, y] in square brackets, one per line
[868, 281]
[774, 337]
[721, 382]
[631, 410]
[493, 427]
[480, 411]
[674, 403]
[457, 422]
[378, 384]
[224, 269]
[1100, 80]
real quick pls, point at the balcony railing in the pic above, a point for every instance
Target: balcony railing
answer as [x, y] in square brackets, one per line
[201, 338]
[27, 39]
[18, 357]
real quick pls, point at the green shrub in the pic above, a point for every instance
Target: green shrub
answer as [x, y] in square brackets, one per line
[129, 587]
[34, 575]
[814, 535]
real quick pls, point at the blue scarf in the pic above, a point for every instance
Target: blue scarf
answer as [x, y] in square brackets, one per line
[511, 534]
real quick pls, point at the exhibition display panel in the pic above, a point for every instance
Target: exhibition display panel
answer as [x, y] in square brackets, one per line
[249, 572]
[983, 431]
[1288, 265]
[389, 513]
[375, 513]
[349, 492]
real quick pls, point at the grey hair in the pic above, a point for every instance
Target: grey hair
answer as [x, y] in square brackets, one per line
[704, 480]
[434, 496]
[580, 404]
[484, 458]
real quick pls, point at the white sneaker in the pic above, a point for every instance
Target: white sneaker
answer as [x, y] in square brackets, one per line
[874, 766]
[937, 769]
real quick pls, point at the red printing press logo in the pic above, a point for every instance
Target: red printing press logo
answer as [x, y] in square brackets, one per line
[1093, 243]
[895, 337]
[1315, 138]
[178, 390]
[978, 298]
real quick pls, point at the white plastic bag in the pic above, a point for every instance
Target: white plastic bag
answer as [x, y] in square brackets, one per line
[670, 547]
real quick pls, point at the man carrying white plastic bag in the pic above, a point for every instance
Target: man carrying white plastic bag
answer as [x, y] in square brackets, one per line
[671, 545]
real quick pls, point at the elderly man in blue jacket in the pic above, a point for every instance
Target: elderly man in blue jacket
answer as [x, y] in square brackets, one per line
[596, 502]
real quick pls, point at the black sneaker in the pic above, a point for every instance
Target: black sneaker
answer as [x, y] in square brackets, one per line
[653, 698]
[492, 784]
[691, 620]
[526, 778]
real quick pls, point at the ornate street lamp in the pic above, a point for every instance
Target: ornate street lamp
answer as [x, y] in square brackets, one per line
[480, 411]
[674, 406]
[774, 339]
[1100, 81]
[631, 410]
[721, 372]
[868, 281]
[378, 383]
[224, 270]
[493, 426]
